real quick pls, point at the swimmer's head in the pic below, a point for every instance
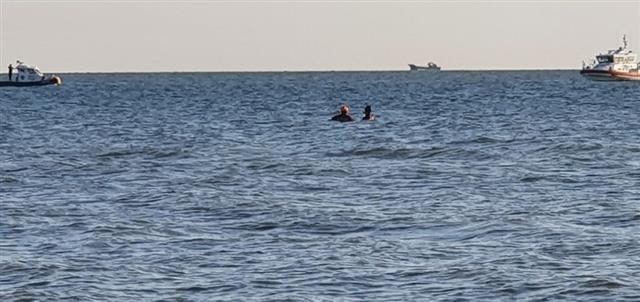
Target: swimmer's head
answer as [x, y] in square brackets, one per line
[344, 109]
[367, 109]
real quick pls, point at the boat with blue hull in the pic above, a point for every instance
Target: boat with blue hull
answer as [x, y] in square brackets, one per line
[23, 75]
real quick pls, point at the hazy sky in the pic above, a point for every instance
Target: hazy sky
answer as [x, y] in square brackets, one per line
[245, 35]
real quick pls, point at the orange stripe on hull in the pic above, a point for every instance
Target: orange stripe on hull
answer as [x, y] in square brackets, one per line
[622, 75]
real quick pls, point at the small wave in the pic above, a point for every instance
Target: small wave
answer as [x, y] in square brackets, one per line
[261, 226]
[327, 229]
[576, 147]
[391, 153]
[156, 153]
[8, 180]
[122, 153]
[16, 169]
[266, 166]
[481, 140]
[37, 284]
[70, 164]
[384, 152]
[193, 289]
[166, 153]
[331, 172]
[532, 178]
[602, 284]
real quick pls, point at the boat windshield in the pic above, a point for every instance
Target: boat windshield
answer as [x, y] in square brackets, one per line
[605, 59]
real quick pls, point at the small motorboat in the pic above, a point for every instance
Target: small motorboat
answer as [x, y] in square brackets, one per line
[27, 75]
[616, 65]
[429, 67]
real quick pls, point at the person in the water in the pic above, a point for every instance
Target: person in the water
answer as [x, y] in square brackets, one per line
[343, 116]
[367, 114]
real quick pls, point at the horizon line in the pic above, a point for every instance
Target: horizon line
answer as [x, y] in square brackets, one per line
[316, 71]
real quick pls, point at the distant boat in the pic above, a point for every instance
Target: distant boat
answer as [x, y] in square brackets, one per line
[27, 75]
[616, 65]
[430, 67]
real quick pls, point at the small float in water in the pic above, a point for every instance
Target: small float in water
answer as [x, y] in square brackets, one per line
[26, 75]
[616, 65]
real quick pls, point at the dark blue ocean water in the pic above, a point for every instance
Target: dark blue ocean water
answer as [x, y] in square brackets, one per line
[469, 186]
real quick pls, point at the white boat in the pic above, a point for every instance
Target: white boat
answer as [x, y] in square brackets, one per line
[616, 65]
[429, 67]
[27, 75]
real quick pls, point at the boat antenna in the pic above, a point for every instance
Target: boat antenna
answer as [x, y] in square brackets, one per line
[624, 40]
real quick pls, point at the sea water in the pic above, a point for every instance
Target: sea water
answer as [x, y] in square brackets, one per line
[468, 186]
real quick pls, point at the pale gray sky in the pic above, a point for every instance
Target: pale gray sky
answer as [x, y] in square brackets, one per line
[263, 35]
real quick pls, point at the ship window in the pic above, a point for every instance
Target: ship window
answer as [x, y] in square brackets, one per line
[605, 59]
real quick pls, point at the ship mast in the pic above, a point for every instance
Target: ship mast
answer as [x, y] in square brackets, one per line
[624, 41]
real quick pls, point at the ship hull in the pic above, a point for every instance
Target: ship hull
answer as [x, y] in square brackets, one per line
[626, 76]
[597, 75]
[49, 81]
[610, 75]
[422, 68]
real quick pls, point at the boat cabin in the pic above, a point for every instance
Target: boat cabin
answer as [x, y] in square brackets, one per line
[27, 73]
[621, 59]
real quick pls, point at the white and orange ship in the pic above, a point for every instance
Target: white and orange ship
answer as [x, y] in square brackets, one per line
[616, 65]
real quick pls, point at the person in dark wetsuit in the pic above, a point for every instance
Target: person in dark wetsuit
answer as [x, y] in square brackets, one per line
[343, 116]
[367, 114]
[10, 71]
